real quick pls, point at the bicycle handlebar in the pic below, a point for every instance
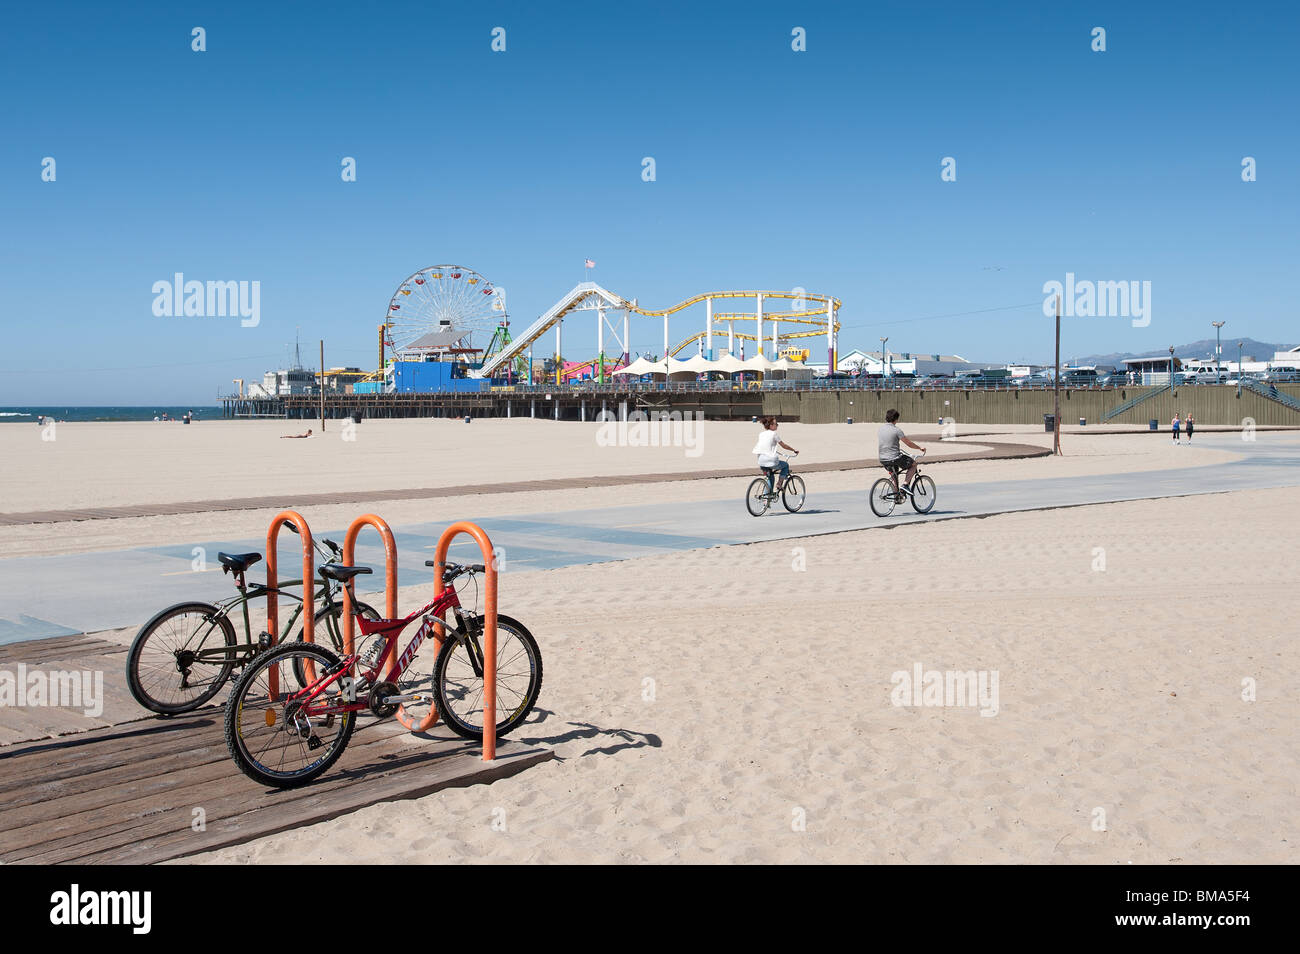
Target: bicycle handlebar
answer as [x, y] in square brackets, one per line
[454, 570]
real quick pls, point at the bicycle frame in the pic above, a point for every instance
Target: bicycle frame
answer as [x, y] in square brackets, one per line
[770, 472]
[390, 629]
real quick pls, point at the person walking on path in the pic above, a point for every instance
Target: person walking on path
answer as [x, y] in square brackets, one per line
[1177, 425]
[1191, 424]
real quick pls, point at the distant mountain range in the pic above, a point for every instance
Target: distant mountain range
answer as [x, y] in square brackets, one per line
[1259, 350]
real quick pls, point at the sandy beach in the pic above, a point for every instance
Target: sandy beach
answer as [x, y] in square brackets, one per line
[737, 704]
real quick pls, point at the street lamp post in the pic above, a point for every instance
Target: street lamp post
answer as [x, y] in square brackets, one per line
[1239, 345]
[882, 355]
[1218, 352]
[1171, 366]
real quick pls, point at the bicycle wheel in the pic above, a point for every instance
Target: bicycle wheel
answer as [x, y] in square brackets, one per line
[756, 498]
[458, 681]
[794, 494]
[924, 494]
[270, 737]
[882, 497]
[163, 670]
[327, 631]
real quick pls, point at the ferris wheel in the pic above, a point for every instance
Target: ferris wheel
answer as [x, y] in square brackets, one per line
[443, 298]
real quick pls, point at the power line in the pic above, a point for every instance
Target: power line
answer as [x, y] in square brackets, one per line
[955, 314]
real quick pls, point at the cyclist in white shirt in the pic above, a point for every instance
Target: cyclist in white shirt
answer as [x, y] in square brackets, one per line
[766, 449]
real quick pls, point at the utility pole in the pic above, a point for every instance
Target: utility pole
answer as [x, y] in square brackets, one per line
[1218, 352]
[1056, 386]
[322, 385]
[882, 355]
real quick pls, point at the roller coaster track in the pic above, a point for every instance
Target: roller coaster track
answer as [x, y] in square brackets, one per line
[588, 296]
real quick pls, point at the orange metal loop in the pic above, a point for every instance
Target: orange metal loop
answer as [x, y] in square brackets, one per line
[273, 578]
[489, 630]
[390, 576]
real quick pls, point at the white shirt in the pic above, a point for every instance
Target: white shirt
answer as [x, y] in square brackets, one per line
[766, 448]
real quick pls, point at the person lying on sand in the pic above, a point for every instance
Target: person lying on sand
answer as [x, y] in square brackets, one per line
[294, 437]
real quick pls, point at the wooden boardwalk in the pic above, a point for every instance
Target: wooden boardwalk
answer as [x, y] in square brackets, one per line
[128, 794]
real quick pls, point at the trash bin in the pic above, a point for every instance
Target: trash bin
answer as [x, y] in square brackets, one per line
[848, 420]
[1049, 423]
[467, 418]
[1155, 425]
[1083, 421]
[356, 417]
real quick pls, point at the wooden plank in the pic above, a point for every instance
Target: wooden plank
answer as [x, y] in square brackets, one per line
[220, 792]
[23, 651]
[126, 794]
[81, 804]
[458, 771]
[78, 653]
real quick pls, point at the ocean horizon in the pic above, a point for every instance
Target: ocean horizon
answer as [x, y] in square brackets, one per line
[61, 412]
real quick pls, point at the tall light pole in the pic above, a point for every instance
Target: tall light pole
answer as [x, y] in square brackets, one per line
[882, 355]
[1218, 352]
[1239, 344]
[1056, 386]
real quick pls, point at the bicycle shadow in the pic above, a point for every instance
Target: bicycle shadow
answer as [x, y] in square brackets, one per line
[914, 517]
[627, 738]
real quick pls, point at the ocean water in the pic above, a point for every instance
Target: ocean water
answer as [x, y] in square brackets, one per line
[30, 415]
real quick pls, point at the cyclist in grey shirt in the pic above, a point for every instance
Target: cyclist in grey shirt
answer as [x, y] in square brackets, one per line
[891, 456]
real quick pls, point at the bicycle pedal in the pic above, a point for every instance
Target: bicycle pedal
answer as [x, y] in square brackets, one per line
[264, 641]
[314, 742]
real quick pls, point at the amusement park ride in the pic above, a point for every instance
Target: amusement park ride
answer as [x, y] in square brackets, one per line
[454, 313]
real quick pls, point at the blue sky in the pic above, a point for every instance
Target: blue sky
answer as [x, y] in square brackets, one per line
[775, 169]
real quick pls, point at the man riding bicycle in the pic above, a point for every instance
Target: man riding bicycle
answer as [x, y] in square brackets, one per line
[891, 456]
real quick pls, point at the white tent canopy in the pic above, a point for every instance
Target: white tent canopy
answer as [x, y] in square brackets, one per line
[642, 366]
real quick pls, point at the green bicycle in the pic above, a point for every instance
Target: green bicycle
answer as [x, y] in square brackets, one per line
[184, 655]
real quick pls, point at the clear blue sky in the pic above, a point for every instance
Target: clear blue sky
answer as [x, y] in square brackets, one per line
[775, 169]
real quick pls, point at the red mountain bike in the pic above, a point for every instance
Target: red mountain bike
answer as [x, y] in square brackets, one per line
[292, 735]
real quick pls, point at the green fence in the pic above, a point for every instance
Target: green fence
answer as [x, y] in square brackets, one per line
[1209, 404]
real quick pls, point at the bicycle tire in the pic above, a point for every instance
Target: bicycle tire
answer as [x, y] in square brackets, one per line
[924, 494]
[450, 687]
[756, 501]
[882, 497]
[335, 632]
[142, 689]
[794, 494]
[265, 728]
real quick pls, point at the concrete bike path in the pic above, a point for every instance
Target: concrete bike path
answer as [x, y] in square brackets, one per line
[62, 595]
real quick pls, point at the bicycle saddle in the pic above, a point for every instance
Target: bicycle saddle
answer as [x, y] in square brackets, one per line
[237, 562]
[340, 573]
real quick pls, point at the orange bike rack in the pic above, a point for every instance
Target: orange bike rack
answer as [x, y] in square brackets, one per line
[390, 576]
[273, 579]
[489, 629]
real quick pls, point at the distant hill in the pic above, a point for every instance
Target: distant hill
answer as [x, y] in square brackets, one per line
[1259, 350]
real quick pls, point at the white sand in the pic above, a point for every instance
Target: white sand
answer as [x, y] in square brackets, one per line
[104, 465]
[101, 465]
[1119, 689]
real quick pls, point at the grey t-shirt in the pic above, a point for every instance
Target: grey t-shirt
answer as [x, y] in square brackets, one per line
[887, 438]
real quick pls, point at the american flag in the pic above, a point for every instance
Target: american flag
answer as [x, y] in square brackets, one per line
[589, 263]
